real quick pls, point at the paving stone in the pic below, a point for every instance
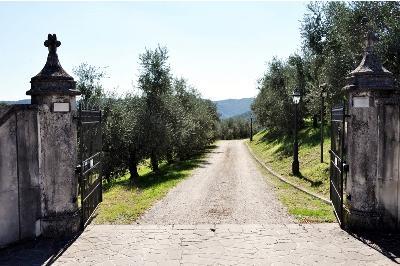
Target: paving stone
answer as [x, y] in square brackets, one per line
[205, 226]
[184, 227]
[291, 244]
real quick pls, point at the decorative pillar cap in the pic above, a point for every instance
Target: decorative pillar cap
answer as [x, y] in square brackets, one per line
[52, 79]
[370, 74]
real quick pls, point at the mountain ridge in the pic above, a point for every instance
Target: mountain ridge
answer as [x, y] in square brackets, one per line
[233, 107]
[23, 101]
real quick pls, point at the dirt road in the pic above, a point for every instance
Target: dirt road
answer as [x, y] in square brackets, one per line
[228, 188]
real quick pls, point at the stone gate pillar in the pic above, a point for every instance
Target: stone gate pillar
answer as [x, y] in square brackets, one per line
[372, 187]
[54, 92]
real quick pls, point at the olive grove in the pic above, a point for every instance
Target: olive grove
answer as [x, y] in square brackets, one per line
[163, 121]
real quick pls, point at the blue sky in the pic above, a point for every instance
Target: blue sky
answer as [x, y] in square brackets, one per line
[220, 47]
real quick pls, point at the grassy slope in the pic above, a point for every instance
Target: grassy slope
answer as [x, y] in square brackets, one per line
[123, 202]
[277, 153]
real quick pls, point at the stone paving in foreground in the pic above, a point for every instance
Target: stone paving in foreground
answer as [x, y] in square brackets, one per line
[322, 244]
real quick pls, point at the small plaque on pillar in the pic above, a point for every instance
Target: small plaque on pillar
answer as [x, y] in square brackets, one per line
[61, 107]
[361, 102]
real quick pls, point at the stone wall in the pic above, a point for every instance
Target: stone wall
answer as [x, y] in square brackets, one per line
[388, 182]
[38, 186]
[19, 173]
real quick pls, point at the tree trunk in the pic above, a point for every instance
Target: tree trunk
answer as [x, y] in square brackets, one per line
[132, 165]
[154, 163]
[170, 158]
[133, 173]
[315, 121]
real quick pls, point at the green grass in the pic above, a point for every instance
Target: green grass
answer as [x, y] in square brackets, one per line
[303, 207]
[124, 202]
[276, 151]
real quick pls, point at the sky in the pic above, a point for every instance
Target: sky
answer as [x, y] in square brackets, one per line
[221, 48]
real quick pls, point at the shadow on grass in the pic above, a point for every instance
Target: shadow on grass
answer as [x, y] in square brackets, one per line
[312, 182]
[166, 172]
[285, 143]
[307, 137]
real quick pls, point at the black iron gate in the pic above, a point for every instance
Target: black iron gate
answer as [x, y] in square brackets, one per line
[89, 167]
[338, 164]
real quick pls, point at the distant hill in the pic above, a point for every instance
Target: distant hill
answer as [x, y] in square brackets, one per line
[245, 116]
[233, 107]
[25, 101]
[226, 108]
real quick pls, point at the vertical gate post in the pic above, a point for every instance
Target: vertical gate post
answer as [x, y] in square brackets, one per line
[372, 145]
[54, 91]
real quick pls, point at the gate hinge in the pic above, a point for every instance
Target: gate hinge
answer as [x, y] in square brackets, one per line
[78, 169]
[345, 167]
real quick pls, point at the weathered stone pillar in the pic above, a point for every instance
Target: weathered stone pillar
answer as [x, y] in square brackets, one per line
[53, 91]
[372, 186]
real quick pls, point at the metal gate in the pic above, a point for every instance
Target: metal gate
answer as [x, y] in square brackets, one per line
[338, 164]
[89, 167]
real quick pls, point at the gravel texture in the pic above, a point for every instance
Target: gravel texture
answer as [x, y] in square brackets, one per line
[227, 188]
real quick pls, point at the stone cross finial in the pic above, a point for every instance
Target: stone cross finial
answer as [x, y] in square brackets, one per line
[52, 79]
[371, 37]
[370, 74]
[371, 40]
[52, 43]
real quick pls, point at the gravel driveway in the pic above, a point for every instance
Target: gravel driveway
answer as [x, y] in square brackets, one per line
[228, 188]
